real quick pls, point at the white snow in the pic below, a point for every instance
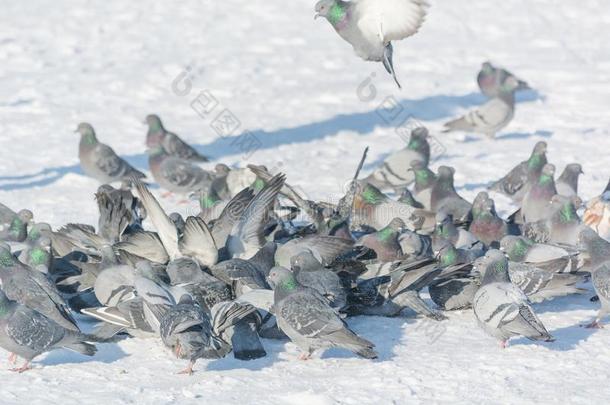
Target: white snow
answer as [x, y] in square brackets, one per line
[295, 84]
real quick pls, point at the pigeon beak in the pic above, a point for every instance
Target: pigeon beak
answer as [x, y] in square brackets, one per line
[315, 17]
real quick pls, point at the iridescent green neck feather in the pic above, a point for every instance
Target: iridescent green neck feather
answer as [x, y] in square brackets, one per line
[337, 13]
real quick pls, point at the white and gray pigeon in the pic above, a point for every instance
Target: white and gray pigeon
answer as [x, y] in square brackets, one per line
[501, 308]
[562, 226]
[540, 285]
[370, 26]
[395, 170]
[13, 225]
[491, 80]
[310, 273]
[549, 257]
[598, 250]
[100, 161]
[307, 319]
[491, 117]
[27, 333]
[567, 183]
[177, 175]
[157, 135]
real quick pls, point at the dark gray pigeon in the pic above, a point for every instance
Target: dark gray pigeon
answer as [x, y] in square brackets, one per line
[237, 325]
[157, 135]
[13, 226]
[370, 26]
[27, 333]
[99, 160]
[187, 330]
[514, 184]
[492, 80]
[176, 175]
[309, 321]
[120, 211]
[502, 309]
[310, 273]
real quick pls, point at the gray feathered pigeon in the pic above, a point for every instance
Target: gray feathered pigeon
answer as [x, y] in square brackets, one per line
[444, 198]
[326, 248]
[562, 226]
[540, 285]
[33, 289]
[99, 160]
[374, 209]
[491, 117]
[567, 183]
[309, 321]
[549, 257]
[310, 273]
[536, 202]
[492, 80]
[502, 309]
[120, 212]
[157, 135]
[385, 242]
[424, 181]
[598, 250]
[370, 26]
[27, 333]
[177, 175]
[187, 330]
[394, 171]
[446, 231]
[486, 225]
[237, 325]
[514, 184]
[13, 226]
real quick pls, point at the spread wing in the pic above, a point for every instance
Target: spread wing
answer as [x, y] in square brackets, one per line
[393, 20]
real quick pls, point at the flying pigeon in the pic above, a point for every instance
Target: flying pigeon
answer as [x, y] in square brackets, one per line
[370, 26]
[99, 160]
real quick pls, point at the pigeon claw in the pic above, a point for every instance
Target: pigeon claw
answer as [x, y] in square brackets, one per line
[188, 370]
[22, 369]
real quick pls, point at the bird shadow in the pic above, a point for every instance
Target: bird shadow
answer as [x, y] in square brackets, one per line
[107, 353]
[247, 143]
[273, 348]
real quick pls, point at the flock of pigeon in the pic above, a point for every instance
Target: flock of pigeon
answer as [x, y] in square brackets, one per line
[244, 268]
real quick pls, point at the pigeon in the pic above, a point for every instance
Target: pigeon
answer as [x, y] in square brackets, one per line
[28, 333]
[143, 244]
[309, 321]
[310, 273]
[177, 175]
[444, 198]
[325, 248]
[562, 226]
[514, 184]
[548, 257]
[406, 197]
[491, 117]
[196, 241]
[99, 160]
[237, 325]
[374, 209]
[370, 26]
[491, 80]
[567, 183]
[120, 212]
[187, 330]
[385, 242]
[38, 256]
[13, 226]
[486, 225]
[34, 290]
[501, 308]
[536, 202]
[540, 285]
[395, 171]
[598, 250]
[247, 235]
[446, 231]
[424, 181]
[174, 146]
[242, 275]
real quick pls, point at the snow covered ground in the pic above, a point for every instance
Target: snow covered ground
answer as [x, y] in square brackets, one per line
[294, 85]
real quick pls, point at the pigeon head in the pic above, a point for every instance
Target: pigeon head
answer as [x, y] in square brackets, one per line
[86, 132]
[333, 10]
[6, 257]
[280, 278]
[493, 268]
[538, 157]
[480, 203]
[510, 85]
[597, 247]
[516, 247]
[305, 261]
[37, 230]
[418, 140]
[221, 169]
[487, 67]
[371, 195]
[154, 122]
[25, 215]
